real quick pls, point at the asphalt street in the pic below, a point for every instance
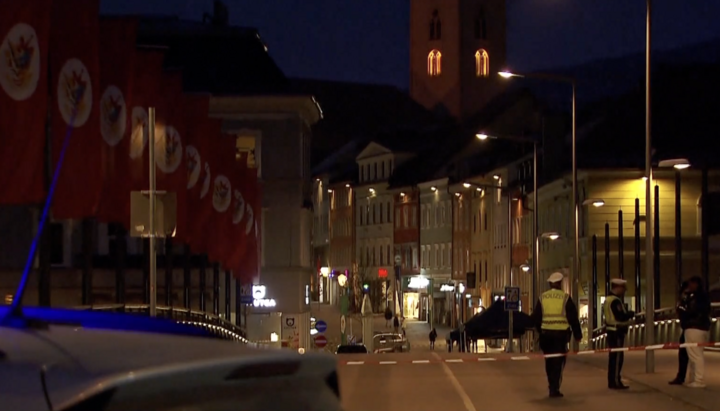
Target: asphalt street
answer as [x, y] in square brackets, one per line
[432, 384]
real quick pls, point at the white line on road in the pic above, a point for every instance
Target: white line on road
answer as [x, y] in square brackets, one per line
[387, 362]
[355, 362]
[453, 360]
[487, 359]
[421, 362]
[461, 392]
[519, 358]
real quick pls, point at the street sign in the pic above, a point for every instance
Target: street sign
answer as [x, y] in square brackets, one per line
[320, 341]
[512, 298]
[321, 326]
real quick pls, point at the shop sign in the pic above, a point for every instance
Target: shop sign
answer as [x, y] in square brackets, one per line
[382, 273]
[447, 288]
[418, 282]
[259, 293]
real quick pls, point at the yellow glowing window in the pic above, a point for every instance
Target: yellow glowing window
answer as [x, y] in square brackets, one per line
[482, 63]
[434, 63]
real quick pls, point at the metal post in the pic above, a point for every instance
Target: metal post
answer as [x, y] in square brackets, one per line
[637, 256]
[187, 279]
[511, 344]
[678, 234]
[704, 230]
[649, 304]
[594, 281]
[536, 240]
[228, 295]
[151, 216]
[656, 248]
[607, 259]
[621, 247]
[576, 210]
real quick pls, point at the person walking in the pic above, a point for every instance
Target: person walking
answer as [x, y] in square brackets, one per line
[617, 321]
[682, 352]
[403, 324]
[556, 316]
[433, 337]
[396, 323]
[697, 329]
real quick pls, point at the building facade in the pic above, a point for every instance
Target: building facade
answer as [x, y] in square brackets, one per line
[406, 242]
[436, 248]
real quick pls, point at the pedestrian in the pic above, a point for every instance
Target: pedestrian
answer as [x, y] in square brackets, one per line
[396, 323]
[403, 324]
[433, 337]
[617, 321]
[697, 330]
[555, 316]
[682, 352]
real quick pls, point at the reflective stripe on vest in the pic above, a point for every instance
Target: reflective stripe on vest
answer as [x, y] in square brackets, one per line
[611, 323]
[553, 310]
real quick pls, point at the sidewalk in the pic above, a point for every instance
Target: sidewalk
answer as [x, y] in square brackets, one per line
[665, 370]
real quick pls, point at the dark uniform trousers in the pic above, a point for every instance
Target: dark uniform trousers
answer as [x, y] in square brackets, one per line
[554, 342]
[615, 339]
[683, 359]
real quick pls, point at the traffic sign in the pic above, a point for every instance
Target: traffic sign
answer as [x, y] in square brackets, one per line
[321, 326]
[512, 298]
[320, 341]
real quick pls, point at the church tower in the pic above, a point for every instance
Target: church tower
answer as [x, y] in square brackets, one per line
[457, 47]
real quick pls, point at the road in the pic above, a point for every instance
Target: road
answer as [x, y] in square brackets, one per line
[513, 385]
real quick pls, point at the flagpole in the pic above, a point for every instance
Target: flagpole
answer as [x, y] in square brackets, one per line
[151, 216]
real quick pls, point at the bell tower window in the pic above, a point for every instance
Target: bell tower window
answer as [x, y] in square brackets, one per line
[435, 26]
[434, 63]
[482, 63]
[481, 26]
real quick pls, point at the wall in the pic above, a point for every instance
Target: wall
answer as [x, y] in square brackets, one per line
[436, 231]
[406, 234]
[342, 227]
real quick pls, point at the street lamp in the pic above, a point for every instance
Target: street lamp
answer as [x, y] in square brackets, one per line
[595, 202]
[563, 79]
[552, 236]
[536, 241]
[525, 268]
[678, 164]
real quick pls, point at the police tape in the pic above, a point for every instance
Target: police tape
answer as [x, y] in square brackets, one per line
[475, 358]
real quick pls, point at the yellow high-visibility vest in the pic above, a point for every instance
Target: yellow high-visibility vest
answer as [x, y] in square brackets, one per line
[553, 310]
[611, 323]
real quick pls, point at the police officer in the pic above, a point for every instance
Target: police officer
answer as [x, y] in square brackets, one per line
[555, 315]
[617, 320]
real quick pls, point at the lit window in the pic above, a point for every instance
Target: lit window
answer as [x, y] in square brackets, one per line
[482, 63]
[434, 63]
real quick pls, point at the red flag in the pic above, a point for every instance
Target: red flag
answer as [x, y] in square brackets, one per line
[25, 30]
[171, 172]
[221, 190]
[250, 264]
[145, 93]
[202, 213]
[117, 64]
[74, 67]
[242, 237]
[197, 126]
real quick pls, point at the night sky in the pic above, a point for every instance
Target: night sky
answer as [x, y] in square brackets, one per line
[367, 40]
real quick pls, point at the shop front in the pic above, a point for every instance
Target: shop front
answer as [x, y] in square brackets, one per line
[415, 301]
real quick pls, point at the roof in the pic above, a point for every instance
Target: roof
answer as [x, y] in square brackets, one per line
[222, 60]
[359, 111]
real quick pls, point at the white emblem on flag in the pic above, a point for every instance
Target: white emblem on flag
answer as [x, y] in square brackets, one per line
[113, 116]
[140, 132]
[168, 148]
[238, 207]
[221, 194]
[74, 93]
[251, 219]
[20, 62]
[206, 181]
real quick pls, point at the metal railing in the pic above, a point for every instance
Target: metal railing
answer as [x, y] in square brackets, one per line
[667, 328]
[215, 325]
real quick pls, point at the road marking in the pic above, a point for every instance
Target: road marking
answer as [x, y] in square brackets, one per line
[355, 362]
[387, 362]
[456, 384]
[519, 358]
[453, 360]
[421, 362]
[486, 359]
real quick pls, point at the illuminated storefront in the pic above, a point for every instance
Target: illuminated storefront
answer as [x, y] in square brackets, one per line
[415, 297]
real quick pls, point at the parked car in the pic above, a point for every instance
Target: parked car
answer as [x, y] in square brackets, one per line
[390, 342]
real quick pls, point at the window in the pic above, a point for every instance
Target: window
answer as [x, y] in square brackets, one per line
[381, 212]
[434, 63]
[389, 214]
[389, 257]
[482, 63]
[413, 222]
[397, 218]
[375, 175]
[435, 26]
[382, 169]
[475, 223]
[481, 26]
[406, 217]
[422, 216]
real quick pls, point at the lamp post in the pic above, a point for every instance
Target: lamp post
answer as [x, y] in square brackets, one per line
[678, 164]
[592, 292]
[649, 270]
[576, 210]
[536, 242]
